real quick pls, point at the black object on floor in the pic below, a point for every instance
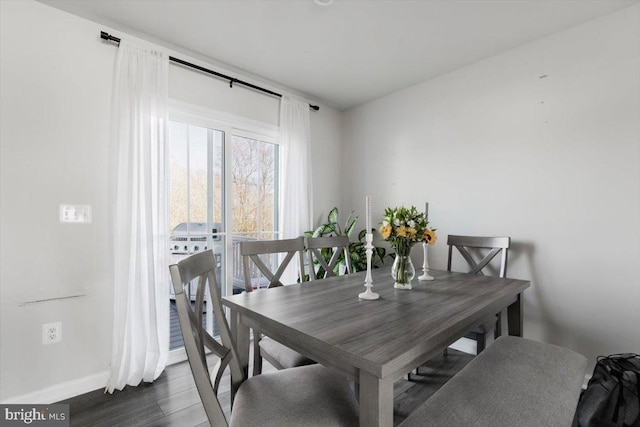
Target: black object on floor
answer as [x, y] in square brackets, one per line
[612, 397]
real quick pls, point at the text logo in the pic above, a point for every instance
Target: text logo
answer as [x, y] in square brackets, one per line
[55, 415]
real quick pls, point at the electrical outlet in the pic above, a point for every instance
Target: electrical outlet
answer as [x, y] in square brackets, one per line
[51, 333]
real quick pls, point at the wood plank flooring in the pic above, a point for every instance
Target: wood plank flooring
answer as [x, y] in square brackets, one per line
[172, 400]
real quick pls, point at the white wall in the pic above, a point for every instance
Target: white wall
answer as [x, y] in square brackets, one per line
[55, 84]
[553, 162]
[327, 152]
[56, 90]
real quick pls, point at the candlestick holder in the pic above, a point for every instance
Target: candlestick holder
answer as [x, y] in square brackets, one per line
[368, 283]
[425, 264]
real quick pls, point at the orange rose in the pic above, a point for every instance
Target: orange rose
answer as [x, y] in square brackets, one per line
[385, 230]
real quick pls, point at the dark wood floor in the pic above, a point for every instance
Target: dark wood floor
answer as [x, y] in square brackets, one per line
[173, 400]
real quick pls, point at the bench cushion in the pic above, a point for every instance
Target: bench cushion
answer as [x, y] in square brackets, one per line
[516, 382]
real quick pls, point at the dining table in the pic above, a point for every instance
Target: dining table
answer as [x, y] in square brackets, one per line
[374, 342]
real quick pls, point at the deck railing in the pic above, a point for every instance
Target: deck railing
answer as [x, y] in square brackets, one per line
[238, 274]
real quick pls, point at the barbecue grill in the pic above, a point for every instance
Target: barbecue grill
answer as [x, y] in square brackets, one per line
[191, 237]
[188, 238]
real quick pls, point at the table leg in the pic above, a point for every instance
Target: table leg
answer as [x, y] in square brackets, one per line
[514, 317]
[240, 334]
[376, 401]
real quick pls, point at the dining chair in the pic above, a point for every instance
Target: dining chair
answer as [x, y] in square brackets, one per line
[468, 245]
[254, 254]
[326, 253]
[304, 396]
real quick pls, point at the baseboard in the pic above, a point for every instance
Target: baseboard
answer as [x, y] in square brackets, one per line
[176, 356]
[73, 388]
[62, 391]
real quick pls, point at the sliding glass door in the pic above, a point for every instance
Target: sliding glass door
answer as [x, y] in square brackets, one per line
[223, 190]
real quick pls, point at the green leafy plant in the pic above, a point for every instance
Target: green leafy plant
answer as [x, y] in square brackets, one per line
[357, 249]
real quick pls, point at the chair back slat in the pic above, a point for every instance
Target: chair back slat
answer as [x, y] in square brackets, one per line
[339, 249]
[252, 250]
[495, 245]
[479, 241]
[275, 279]
[202, 266]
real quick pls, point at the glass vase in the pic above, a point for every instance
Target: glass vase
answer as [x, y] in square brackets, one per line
[402, 272]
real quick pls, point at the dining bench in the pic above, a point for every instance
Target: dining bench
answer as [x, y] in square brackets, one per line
[516, 382]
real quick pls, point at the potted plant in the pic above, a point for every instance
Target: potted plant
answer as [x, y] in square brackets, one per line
[357, 250]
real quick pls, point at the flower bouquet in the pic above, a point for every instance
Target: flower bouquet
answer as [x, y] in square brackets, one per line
[403, 228]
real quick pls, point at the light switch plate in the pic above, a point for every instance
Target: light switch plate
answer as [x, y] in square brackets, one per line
[75, 214]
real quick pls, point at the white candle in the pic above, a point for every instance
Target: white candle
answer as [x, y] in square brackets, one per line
[426, 211]
[368, 213]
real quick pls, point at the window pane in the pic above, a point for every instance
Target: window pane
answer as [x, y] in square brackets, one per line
[198, 175]
[178, 173]
[195, 216]
[254, 187]
[254, 191]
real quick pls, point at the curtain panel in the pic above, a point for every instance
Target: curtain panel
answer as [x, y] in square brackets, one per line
[295, 140]
[139, 189]
[296, 208]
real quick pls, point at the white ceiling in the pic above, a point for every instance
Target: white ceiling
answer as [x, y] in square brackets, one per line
[349, 52]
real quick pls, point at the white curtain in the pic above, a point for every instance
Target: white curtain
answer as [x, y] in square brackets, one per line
[296, 208]
[140, 216]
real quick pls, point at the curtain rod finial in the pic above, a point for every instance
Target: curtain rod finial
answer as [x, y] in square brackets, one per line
[108, 37]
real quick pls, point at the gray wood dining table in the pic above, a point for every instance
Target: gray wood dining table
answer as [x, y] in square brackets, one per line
[374, 342]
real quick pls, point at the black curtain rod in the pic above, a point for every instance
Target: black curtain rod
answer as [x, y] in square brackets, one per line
[232, 80]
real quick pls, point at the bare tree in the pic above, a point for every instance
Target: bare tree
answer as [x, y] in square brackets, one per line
[253, 175]
[253, 186]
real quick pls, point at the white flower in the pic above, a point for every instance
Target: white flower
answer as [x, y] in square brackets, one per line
[396, 222]
[385, 223]
[412, 224]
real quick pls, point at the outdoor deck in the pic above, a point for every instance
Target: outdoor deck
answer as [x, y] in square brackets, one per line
[175, 336]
